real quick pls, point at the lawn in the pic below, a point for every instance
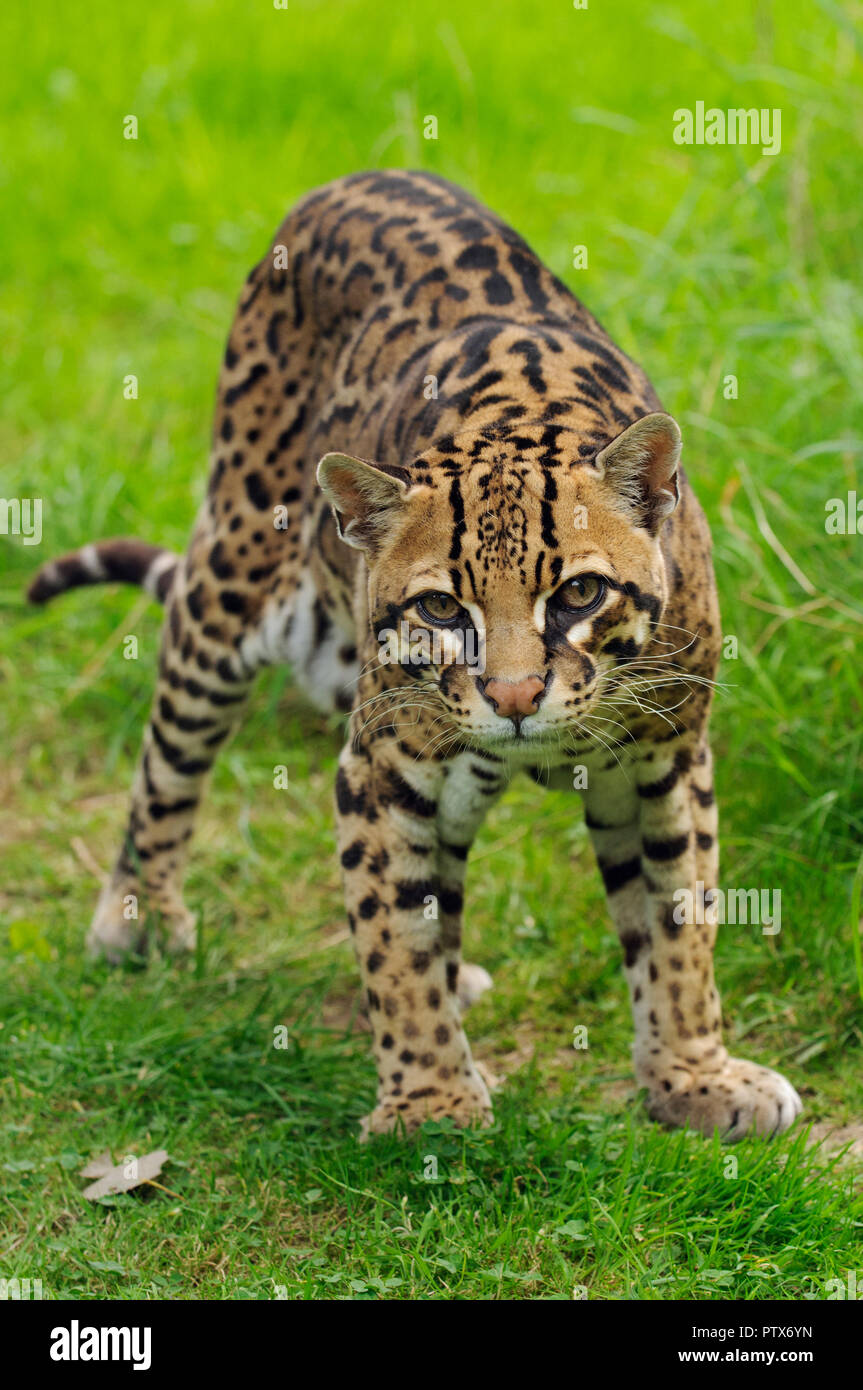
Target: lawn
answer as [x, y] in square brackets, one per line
[733, 277]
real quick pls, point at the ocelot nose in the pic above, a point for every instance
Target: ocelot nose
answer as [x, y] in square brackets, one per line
[514, 699]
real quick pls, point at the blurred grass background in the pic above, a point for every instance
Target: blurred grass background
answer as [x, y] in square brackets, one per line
[127, 257]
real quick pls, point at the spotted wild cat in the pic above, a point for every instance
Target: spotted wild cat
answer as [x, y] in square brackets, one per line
[420, 430]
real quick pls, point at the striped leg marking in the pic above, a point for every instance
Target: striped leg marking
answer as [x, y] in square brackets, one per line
[654, 836]
[199, 699]
[404, 901]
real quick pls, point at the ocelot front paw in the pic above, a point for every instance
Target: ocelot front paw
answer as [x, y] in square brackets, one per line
[735, 1097]
[467, 1104]
[122, 925]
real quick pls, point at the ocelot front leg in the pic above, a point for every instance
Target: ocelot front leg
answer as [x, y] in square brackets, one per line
[654, 831]
[404, 830]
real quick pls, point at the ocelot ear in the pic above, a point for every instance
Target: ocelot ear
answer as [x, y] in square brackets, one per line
[364, 496]
[641, 465]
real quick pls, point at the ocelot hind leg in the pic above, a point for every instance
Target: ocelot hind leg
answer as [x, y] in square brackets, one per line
[199, 699]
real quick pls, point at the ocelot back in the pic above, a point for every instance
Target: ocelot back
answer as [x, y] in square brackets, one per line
[454, 507]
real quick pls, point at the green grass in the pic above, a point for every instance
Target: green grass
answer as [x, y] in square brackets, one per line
[126, 257]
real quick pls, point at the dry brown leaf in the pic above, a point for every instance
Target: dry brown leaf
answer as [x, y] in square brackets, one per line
[124, 1176]
[98, 1166]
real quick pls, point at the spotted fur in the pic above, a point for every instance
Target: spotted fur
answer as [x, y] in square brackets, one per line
[485, 448]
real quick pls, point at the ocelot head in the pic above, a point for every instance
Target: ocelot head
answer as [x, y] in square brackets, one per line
[513, 572]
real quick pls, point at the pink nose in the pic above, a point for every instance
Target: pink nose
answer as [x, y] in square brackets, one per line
[514, 697]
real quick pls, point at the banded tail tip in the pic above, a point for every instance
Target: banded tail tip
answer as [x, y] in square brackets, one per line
[121, 560]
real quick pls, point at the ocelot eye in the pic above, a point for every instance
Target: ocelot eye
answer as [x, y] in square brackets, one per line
[581, 594]
[440, 608]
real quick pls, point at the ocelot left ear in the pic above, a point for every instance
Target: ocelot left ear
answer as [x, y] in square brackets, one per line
[364, 496]
[641, 465]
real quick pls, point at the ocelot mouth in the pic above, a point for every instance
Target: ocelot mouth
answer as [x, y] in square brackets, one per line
[521, 737]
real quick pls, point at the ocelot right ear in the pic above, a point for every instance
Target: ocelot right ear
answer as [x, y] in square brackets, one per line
[641, 465]
[364, 496]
